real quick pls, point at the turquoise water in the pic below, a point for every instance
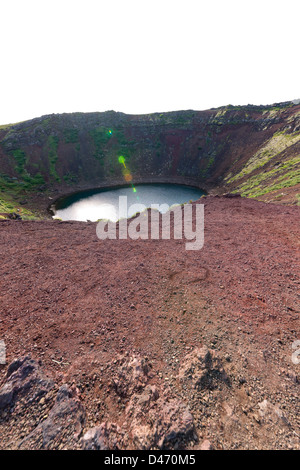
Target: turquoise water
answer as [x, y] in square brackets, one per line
[107, 204]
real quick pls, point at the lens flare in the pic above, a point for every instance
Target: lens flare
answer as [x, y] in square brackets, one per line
[126, 173]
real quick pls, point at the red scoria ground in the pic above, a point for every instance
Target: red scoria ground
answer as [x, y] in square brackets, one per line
[76, 303]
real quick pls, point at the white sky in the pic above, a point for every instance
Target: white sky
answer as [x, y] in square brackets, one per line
[142, 56]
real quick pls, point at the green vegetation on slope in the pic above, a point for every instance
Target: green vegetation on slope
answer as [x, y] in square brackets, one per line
[13, 191]
[8, 205]
[100, 137]
[282, 176]
[277, 144]
[71, 136]
[52, 155]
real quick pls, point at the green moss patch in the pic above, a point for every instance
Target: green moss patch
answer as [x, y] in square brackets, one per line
[277, 144]
[52, 145]
[285, 175]
[71, 136]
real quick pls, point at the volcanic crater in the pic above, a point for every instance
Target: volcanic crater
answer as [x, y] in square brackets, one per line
[142, 344]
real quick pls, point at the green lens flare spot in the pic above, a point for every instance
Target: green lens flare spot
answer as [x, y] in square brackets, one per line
[134, 190]
[121, 159]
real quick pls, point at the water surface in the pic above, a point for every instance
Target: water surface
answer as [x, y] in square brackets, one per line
[105, 203]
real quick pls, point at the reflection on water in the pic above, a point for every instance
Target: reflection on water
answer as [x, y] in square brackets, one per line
[105, 204]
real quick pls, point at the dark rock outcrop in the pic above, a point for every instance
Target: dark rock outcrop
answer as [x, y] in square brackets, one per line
[24, 378]
[64, 423]
[154, 418]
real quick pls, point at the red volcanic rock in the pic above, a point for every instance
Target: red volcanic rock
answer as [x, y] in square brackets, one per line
[66, 301]
[202, 368]
[132, 375]
[106, 436]
[206, 445]
[155, 419]
[23, 380]
[65, 418]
